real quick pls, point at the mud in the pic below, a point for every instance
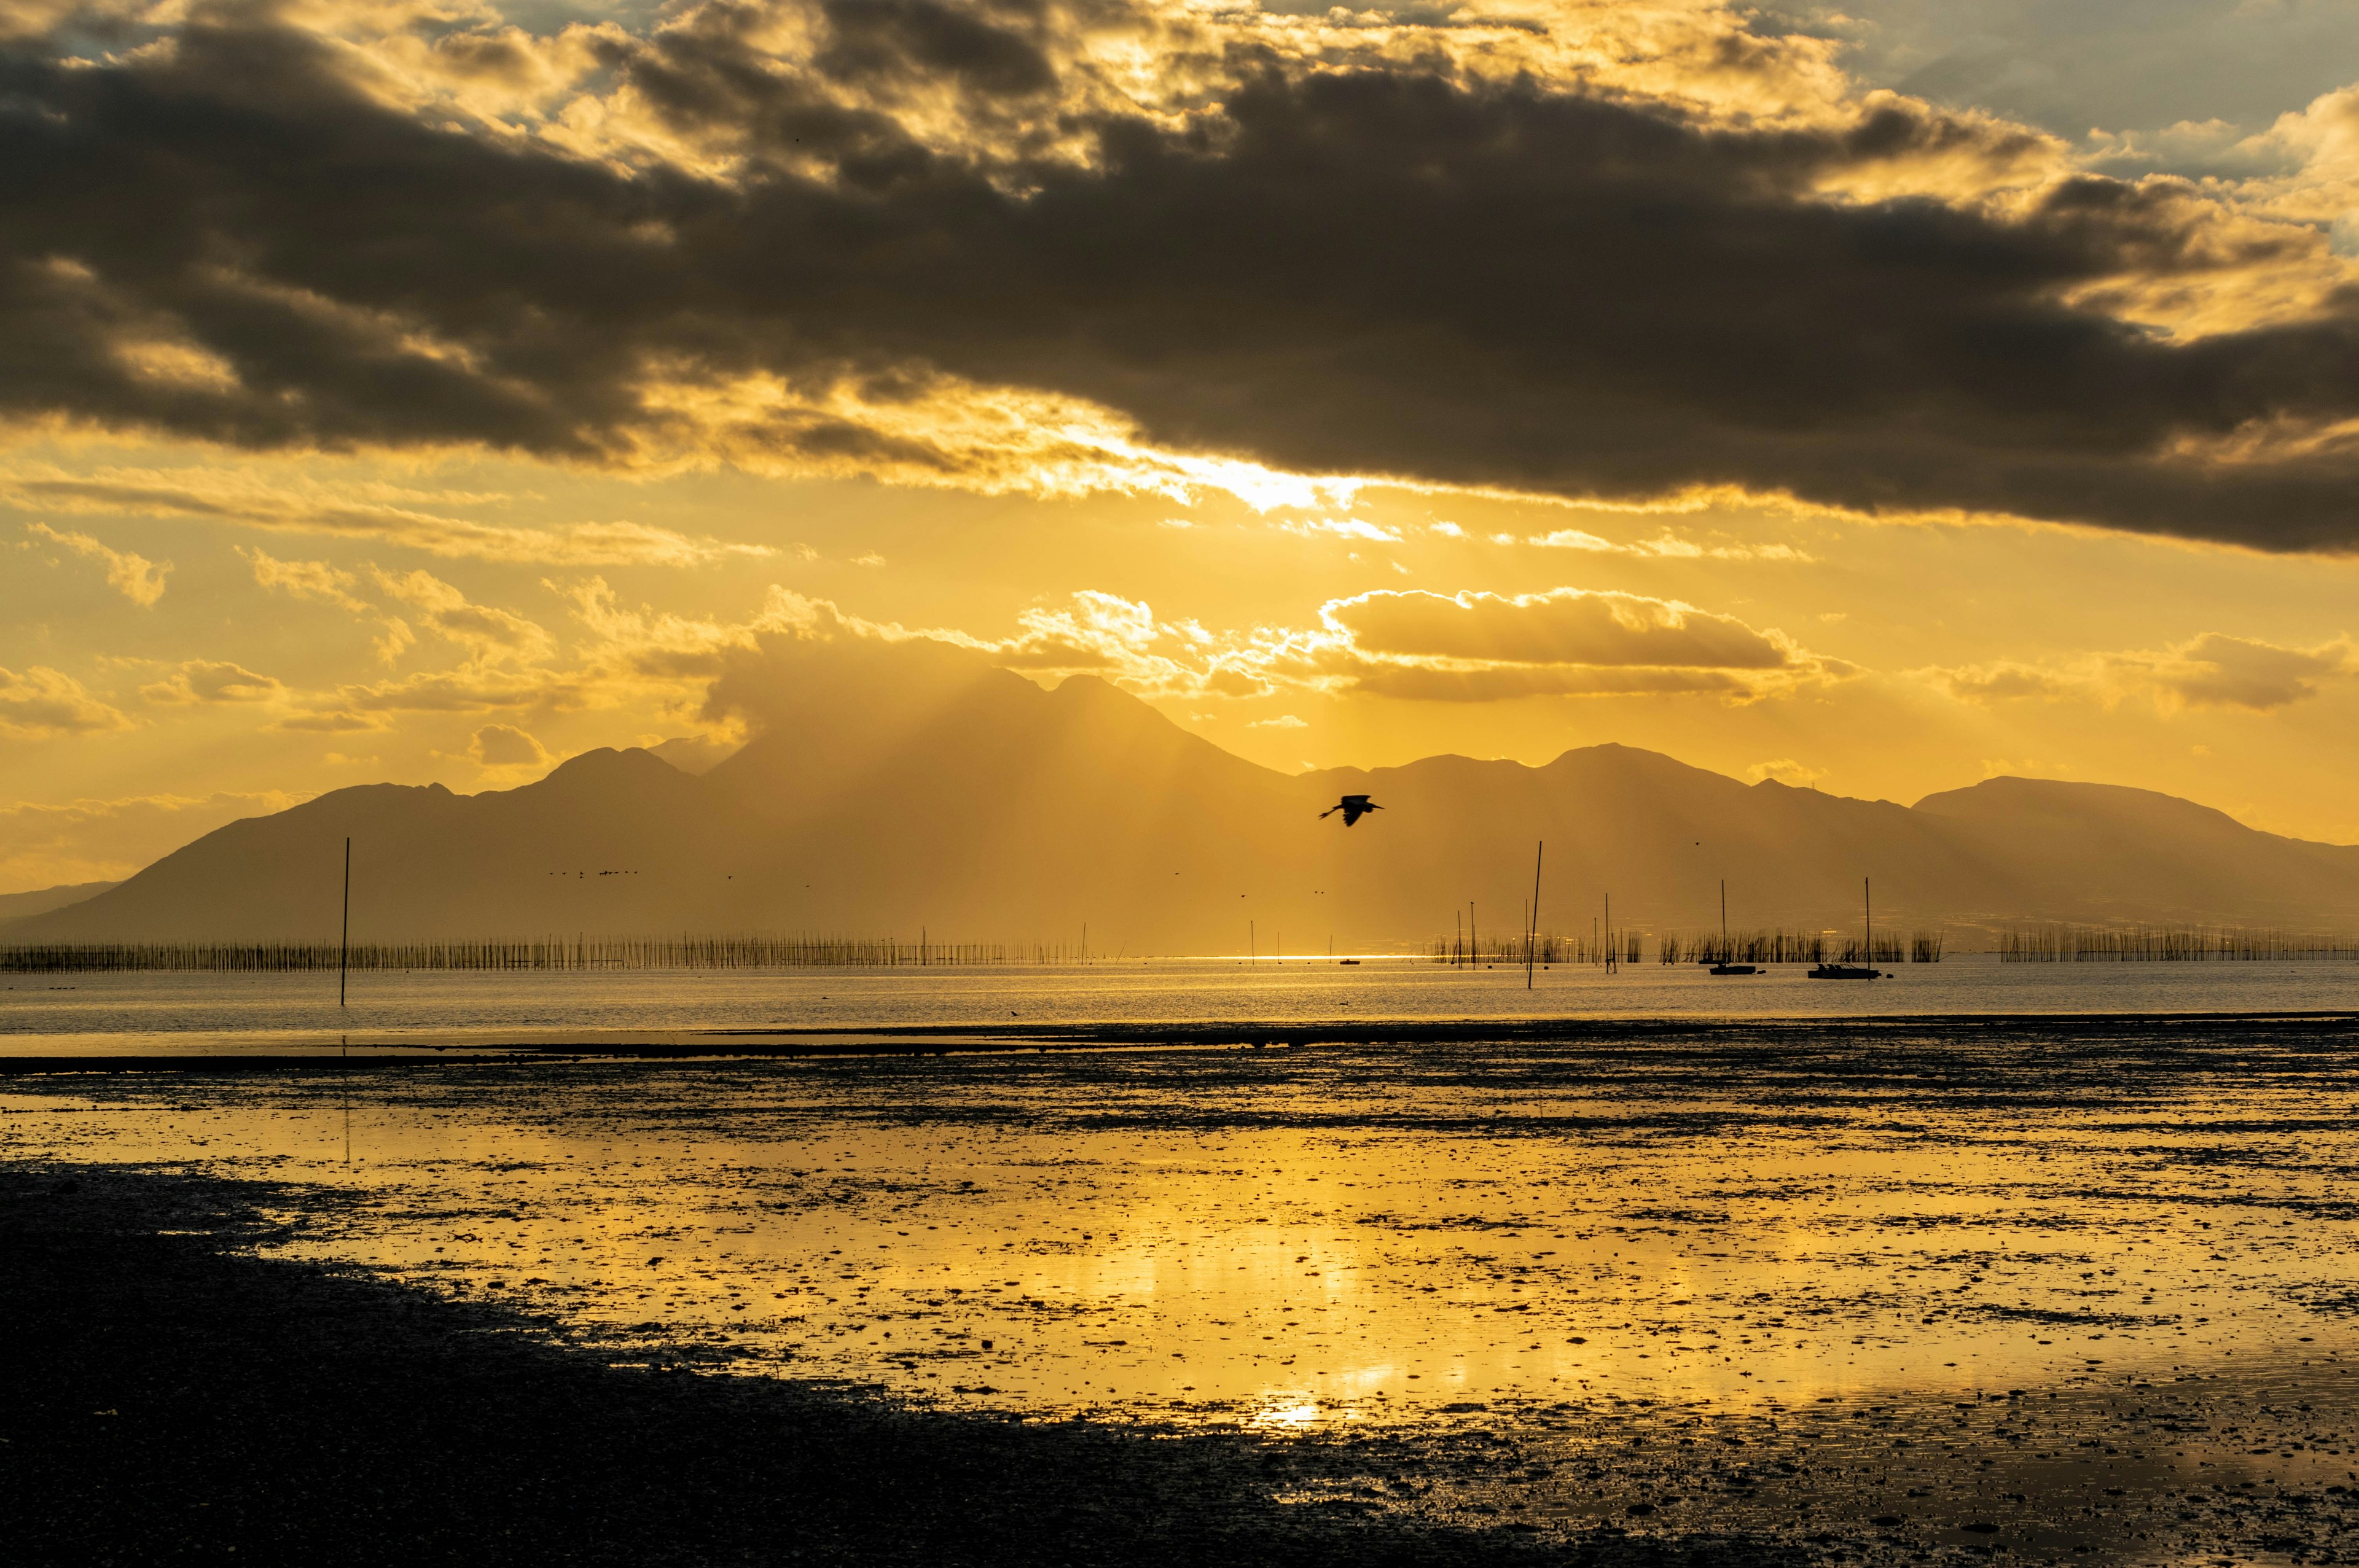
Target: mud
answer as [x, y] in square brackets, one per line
[2065, 1294]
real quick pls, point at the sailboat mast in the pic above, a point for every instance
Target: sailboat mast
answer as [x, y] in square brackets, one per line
[1532, 917]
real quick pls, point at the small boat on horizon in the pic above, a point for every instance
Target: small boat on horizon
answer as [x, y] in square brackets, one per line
[1843, 972]
[1832, 971]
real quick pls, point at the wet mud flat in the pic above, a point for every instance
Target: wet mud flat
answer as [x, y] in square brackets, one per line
[2077, 1294]
[172, 1398]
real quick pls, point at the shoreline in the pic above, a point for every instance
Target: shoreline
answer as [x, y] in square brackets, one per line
[30, 1054]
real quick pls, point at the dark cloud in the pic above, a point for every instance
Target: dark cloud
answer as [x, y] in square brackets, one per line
[1382, 268]
[922, 40]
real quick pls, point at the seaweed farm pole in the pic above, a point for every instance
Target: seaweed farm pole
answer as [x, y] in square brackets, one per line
[344, 948]
[1532, 929]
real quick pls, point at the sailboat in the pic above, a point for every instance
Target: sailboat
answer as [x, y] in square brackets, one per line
[1724, 967]
[1855, 971]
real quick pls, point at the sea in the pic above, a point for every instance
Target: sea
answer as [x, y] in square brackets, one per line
[211, 1011]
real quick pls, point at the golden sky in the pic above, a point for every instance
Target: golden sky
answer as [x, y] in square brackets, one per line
[1871, 400]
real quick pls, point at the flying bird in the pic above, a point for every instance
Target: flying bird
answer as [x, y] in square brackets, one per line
[1352, 806]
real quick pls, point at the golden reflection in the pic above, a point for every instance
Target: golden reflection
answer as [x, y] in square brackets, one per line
[1258, 1239]
[1286, 1414]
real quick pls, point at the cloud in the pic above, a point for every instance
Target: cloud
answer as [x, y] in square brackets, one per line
[1566, 626]
[468, 689]
[137, 577]
[332, 721]
[324, 584]
[210, 681]
[1283, 721]
[2213, 670]
[2220, 671]
[1665, 545]
[498, 746]
[1785, 770]
[1486, 647]
[1342, 528]
[360, 511]
[315, 580]
[1507, 683]
[2004, 680]
[1626, 254]
[1415, 644]
[489, 635]
[41, 703]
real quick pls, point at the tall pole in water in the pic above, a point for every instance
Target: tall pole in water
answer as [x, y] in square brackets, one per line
[1532, 937]
[344, 951]
[1867, 904]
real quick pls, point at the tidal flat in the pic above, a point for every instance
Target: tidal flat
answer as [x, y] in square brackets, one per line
[1875, 1290]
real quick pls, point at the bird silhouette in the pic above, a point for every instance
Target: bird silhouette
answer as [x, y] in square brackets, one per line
[1352, 806]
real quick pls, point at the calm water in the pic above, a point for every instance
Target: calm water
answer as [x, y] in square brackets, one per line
[174, 1013]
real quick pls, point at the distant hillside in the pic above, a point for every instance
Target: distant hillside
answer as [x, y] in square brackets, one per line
[40, 901]
[893, 786]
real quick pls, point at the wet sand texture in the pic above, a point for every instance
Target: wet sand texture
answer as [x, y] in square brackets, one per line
[173, 1400]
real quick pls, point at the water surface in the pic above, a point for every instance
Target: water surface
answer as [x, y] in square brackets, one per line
[117, 1012]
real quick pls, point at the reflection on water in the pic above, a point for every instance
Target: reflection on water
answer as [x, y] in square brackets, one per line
[1949, 1289]
[1293, 1239]
[110, 1012]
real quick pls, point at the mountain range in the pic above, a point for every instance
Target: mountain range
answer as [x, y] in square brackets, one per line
[893, 786]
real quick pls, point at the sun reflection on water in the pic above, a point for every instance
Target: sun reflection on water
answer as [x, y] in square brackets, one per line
[1285, 1241]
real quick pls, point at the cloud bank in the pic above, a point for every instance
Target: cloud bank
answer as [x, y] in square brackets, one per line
[1621, 253]
[2213, 670]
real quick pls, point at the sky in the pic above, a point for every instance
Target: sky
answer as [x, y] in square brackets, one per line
[1879, 398]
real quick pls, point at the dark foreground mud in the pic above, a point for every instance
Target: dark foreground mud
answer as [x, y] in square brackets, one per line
[171, 1397]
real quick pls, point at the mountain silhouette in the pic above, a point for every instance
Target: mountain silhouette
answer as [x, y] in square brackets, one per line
[894, 785]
